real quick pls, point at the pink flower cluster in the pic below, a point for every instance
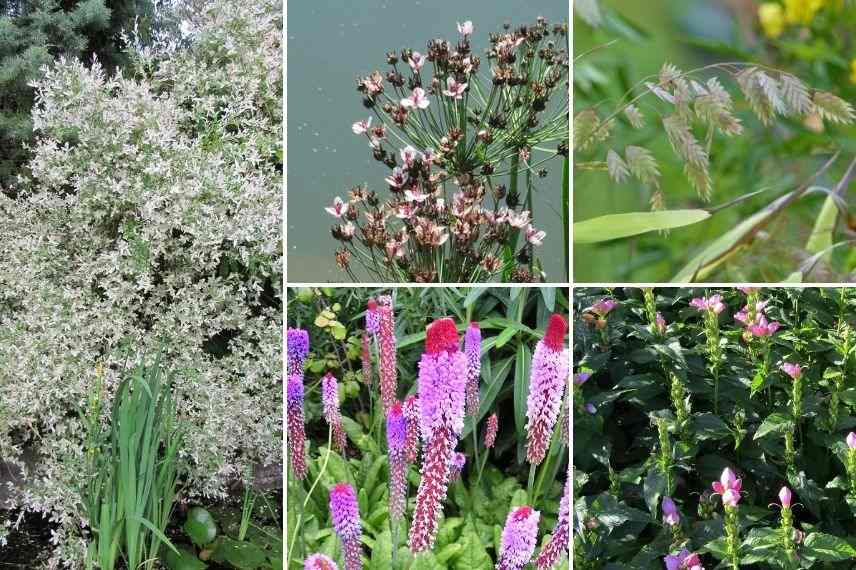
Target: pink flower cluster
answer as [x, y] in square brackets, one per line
[472, 348]
[319, 562]
[793, 370]
[756, 321]
[330, 404]
[518, 538]
[388, 359]
[728, 487]
[548, 377]
[713, 303]
[345, 514]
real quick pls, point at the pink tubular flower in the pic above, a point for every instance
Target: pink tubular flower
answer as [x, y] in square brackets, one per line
[454, 88]
[372, 317]
[388, 359]
[396, 437]
[465, 28]
[851, 440]
[361, 127]
[345, 514]
[670, 512]
[491, 427]
[729, 487]
[785, 496]
[330, 403]
[557, 546]
[792, 370]
[548, 376]
[411, 439]
[442, 392]
[684, 560]
[296, 433]
[298, 347]
[763, 328]
[338, 209]
[416, 61]
[472, 348]
[603, 307]
[319, 562]
[518, 538]
[713, 303]
[417, 100]
[367, 361]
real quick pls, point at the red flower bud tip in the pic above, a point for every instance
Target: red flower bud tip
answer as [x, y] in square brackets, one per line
[441, 335]
[522, 513]
[372, 305]
[555, 335]
[474, 324]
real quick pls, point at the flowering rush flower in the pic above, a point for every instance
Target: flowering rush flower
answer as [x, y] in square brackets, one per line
[416, 61]
[372, 317]
[466, 28]
[411, 439]
[472, 348]
[338, 209]
[792, 370]
[388, 359]
[670, 512]
[518, 538]
[533, 236]
[297, 341]
[557, 546]
[367, 361]
[319, 562]
[785, 496]
[396, 437]
[417, 100]
[454, 89]
[684, 560]
[294, 420]
[728, 487]
[713, 303]
[330, 404]
[345, 514]
[491, 427]
[603, 307]
[362, 127]
[442, 392]
[548, 376]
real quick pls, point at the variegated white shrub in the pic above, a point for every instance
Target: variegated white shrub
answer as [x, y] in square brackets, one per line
[152, 220]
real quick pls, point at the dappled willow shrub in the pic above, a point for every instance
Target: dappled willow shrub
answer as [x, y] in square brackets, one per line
[712, 425]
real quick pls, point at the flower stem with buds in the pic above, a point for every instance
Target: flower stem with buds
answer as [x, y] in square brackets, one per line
[732, 536]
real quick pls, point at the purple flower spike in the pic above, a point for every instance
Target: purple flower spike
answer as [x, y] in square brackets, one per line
[490, 431]
[330, 403]
[372, 318]
[557, 546]
[297, 341]
[345, 515]
[670, 512]
[295, 421]
[319, 562]
[518, 538]
[411, 417]
[459, 460]
[472, 348]
[547, 380]
[388, 359]
[396, 438]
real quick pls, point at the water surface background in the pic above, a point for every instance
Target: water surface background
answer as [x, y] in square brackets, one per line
[330, 44]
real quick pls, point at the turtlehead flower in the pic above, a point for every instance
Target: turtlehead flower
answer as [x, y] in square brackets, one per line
[330, 404]
[491, 427]
[581, 378]
[851, 440]
[361, 127]
[660, 324]
[533, 236]
[670, 512]
[411, 440]
[442, 392]
[454, 88]
[294, 420]
[472, 348]
[298, 347]
[772, 19]
[388, 358]
[345, 514]
[372, 317]
[603, 307]
[519, 538]
[338, 209]
[319, 562]
[416, 61]
[713, 303]
[548, 376]
[684, 560]
[557, 546]
[417, 100]
[465, 28]
[728, 487]
[763, 328]
[785, 496]
[744, 317]
[396, 439]
[792, 370]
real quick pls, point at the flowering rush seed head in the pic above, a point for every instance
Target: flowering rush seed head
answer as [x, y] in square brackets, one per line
[442, 381]
[297, 341]
[792, 370]
[728, 487]
[319, 562]
[670, 512]
[548, 376]
[345, 512]
[490, 431]
[472, 349]
[518, 538]
[411, 439]
[294, 419]
[851, 440]
[684, 560]
[785, 497]
[372, 317]
[388, 358]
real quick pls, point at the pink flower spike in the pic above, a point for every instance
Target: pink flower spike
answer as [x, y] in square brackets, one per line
[851, 440]
[465, 28]
[319, 562]
[533, 236]
[360, 127]
[417, 100]
[345, 515]
[518, 538]
[728, 487]
[417, 60]
[548, 377]
[454, 88]
[785, 497]
[792, 370]
[472, 348]
[490, 431]
[670, 512]
[330, 405]
[338, 209]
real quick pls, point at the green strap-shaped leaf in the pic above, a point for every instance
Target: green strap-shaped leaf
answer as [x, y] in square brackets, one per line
[614, 226]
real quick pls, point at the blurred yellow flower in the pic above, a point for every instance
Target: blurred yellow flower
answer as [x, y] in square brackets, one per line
[853, 70]
[802, 11]
[772, 19]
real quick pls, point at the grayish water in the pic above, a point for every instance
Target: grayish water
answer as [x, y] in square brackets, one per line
[330, 43]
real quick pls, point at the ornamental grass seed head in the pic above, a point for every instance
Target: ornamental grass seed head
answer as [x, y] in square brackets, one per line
[548, 376]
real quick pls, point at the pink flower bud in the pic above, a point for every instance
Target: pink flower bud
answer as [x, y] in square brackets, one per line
[670, 512]
[792, 370]
[728, 487]
[785, 497]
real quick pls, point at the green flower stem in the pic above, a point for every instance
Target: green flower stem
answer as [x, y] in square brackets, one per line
[297, 526]
[732, 536]
[475, 440]
[531, 484]
[851, 470]
[787, 534]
